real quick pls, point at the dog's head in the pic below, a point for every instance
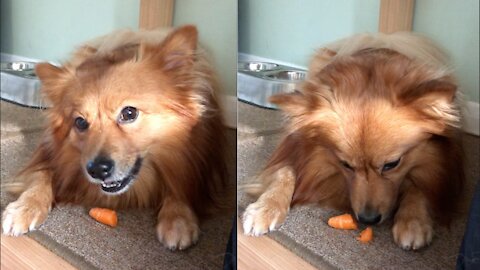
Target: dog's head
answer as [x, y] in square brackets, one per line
[374, 111]
[115, 108]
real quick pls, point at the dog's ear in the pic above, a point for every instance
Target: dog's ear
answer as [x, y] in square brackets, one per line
[52, 79]
[176, 54]
[322, 58]
[435, 102]
[294, 104]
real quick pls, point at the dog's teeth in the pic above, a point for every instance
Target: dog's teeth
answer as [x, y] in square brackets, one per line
[110, 185]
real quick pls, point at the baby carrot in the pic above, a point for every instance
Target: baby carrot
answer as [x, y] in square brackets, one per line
[104, 215]
[344, 222]
[366, 235]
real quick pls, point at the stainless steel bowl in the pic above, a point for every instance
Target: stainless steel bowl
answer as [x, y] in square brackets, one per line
[287, 75]
[19, 68]
[19, 84]
[257, 80]
[256, 66]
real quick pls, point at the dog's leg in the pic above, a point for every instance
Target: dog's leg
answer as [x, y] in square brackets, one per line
[271, 208]
[177, 226]
[31, 208]
[413, 225]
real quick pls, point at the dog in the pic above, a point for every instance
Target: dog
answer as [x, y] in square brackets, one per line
[373, 130]
[134, 123]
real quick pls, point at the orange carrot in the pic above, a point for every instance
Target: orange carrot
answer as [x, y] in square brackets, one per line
[344, 222]
[366, 235]
[104, 215]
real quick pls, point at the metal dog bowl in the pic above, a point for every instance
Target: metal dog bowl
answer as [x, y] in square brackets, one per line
[287, 75]
[19, 84]
[257, 66]
[19, 68]
[257, 81]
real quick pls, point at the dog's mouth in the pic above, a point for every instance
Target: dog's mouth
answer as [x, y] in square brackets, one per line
[117, 187]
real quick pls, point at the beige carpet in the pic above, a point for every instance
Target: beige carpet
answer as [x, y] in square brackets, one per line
[306, 232]
[86, 244]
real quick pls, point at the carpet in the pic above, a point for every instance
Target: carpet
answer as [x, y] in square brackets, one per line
[306, 232]
[87, 244]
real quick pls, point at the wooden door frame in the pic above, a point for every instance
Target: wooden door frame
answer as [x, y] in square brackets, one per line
[396, 15]
[155, 14]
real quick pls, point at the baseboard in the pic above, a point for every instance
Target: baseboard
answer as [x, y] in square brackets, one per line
[471, 119]
[229, 109]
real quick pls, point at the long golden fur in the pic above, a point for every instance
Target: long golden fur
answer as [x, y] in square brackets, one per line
[373, 130]
[172, 153]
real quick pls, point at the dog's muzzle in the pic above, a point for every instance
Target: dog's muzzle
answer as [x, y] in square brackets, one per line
[103, 168]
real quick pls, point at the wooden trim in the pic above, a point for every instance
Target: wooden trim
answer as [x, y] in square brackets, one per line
[264, 253]
[396, 15]
[155, 13]
[25, 253]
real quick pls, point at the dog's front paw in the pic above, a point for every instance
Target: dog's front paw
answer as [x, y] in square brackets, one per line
[178, 233]
[23, 215]
[263, 216]
[412, 233]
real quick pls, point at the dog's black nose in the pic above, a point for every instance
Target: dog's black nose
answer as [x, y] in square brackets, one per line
[100, 168]
[369, 217]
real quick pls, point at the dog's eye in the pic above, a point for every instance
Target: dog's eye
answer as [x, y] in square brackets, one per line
[128, 114]
[390, 165]
[346, 165]
[81, 124]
